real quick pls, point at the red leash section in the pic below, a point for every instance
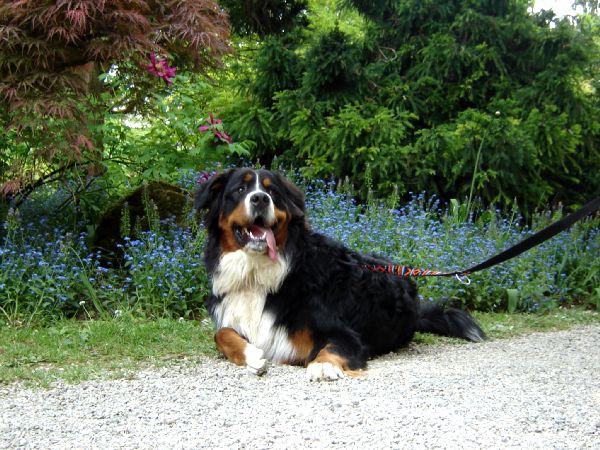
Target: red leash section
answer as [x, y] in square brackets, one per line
[526, 244]
[403, 271]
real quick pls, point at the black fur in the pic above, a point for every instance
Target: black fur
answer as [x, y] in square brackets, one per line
[357, 313]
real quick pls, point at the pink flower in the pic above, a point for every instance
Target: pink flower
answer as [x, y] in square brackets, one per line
[216, 126]
[161, 69]
[203, 177]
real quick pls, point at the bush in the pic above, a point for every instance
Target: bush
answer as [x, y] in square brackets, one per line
[414, 94]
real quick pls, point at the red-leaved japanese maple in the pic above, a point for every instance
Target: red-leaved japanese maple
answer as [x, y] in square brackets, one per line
[52, 53]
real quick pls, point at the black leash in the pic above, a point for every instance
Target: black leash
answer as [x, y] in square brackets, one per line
[526, 244]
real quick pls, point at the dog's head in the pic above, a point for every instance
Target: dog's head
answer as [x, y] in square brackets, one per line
[250, 210]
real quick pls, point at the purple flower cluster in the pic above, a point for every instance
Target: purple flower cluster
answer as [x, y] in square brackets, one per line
[48, 272]
[191, 179]
[44, 268]
[203, 177]
[166, 270]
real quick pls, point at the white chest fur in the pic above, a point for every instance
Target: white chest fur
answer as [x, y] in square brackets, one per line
[243, 281]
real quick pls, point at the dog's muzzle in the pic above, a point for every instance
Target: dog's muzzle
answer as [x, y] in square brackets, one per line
[260, 204]
[258, 236]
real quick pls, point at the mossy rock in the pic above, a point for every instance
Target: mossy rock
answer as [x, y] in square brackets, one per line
[170, 201]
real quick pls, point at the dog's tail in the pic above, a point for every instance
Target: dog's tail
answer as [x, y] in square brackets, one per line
[449, 322]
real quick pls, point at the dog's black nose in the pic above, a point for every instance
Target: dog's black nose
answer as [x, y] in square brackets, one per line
[259, 199]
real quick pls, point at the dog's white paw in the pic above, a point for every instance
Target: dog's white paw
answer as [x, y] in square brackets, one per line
[255, 363]
[323, 372]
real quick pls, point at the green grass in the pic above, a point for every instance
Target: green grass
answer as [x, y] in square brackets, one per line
[505, 325]
[75, 351]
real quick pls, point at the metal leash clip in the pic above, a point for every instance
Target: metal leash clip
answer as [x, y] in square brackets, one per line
[464, 279]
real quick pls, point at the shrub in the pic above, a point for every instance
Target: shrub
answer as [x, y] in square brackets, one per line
[414, 93]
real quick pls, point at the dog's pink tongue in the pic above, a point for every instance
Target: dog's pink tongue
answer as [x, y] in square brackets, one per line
[272, 246]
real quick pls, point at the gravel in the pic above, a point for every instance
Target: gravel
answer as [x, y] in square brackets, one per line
[537, 391]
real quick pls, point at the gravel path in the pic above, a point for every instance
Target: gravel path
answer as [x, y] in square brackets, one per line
[537, 391]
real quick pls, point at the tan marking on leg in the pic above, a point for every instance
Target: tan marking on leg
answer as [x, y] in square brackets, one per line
[232, 345]
[303, 346]
[326, 355]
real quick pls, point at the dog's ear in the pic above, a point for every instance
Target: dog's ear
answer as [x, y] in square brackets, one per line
[210, 190]
[295, 197]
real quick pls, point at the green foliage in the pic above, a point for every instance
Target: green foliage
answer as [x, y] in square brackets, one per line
[256, 124]
[423, 89]
[359, 135]
[324, 13]
[158, 145]
[331, 65]
[168, 140]
[280, 69]
[410, 88]
[265, 17]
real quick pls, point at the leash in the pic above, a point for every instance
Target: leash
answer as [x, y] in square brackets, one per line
[526, 244]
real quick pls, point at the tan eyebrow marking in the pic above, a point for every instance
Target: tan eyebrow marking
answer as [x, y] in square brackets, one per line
[248, 177]
[267, 182]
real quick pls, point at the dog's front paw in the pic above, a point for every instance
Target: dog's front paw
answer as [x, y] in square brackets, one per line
[324, 371]
[255, 361]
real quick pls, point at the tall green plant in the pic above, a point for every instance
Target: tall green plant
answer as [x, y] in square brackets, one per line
[414, 92]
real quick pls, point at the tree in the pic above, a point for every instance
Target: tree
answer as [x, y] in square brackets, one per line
[265, 17]
[589, 6]
[53, 56]
[438, 95]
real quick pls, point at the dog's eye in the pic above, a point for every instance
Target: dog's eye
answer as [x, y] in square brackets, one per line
[241, 189]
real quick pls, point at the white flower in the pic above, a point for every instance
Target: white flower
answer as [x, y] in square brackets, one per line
[82, 302]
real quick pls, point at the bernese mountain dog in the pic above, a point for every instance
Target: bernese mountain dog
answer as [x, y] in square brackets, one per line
[284, 293]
